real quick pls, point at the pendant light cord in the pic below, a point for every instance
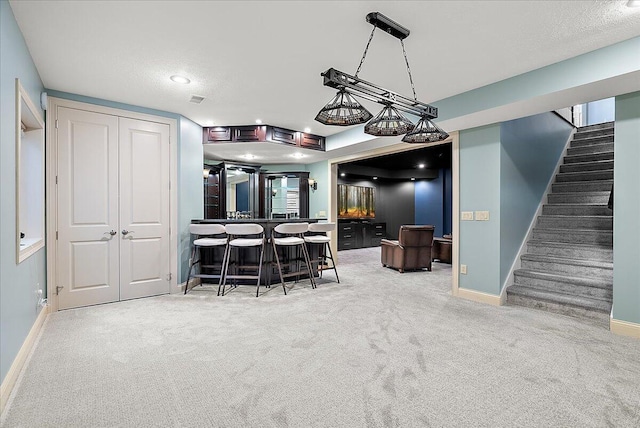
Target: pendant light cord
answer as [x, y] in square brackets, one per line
[364, 55]
[415, 97]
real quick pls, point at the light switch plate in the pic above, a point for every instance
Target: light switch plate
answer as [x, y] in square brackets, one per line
[466, 215]
[482, 215]
[323, 213]
[463, 269]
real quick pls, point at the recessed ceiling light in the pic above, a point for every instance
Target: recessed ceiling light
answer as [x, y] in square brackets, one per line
[633, 3]
[297, 155]
[342, 174]
[307, 129]
[258, 121]
[248, 156]
[420, 165]
[413, 179]
[375, 178]
[180, 79]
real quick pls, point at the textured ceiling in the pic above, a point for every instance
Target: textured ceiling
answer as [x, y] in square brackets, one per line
[263, 59]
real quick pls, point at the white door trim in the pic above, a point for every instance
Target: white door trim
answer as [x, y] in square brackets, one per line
[52, 171]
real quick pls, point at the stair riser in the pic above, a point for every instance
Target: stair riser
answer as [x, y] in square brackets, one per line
[603, 125]
[584, 176]
[587, 166]
[603, 239]
[596, 148]
[564, 287]
[601, 186]
[588, 223]
[574, 210]
[601, 254]
[579, 198]
[582, 142]
[589, 157]
[592, 133]
[567, 269]
[600, 318]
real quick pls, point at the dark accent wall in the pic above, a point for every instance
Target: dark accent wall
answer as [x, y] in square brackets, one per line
[433, 201]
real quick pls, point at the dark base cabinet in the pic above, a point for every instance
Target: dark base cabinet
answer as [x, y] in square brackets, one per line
[360, 234]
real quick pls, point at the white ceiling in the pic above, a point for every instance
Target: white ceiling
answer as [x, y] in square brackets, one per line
[263, 59]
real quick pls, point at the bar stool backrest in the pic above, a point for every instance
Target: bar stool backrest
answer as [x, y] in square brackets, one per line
[243, 229]
[292, 228]
[206, 229]
[321, 227]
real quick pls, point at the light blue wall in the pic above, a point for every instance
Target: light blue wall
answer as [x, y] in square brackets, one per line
[601, 111]
[530, 150]
[191, 188]
[626, 207]
[480, 191]
[611, 61]
[429, 197]
[18, 283]
[318, 199]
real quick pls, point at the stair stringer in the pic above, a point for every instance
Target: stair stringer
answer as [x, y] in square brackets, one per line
[510, 279]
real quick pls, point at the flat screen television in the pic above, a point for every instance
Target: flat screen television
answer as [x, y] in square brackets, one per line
[356, 201]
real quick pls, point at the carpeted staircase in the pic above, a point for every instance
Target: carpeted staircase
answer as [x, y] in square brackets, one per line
[568, 267]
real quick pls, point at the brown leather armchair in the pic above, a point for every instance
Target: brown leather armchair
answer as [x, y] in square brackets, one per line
[412, 250]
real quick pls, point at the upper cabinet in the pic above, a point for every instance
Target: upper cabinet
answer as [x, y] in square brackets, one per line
[262, 133]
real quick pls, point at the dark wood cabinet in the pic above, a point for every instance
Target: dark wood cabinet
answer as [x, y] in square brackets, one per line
[217, 134]
[360, 234]
[285, 136]
[310, 141]
[212, 205]
[263, 134]
[249, 133]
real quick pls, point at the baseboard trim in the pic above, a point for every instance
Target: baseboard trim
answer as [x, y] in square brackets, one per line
[624, 328]
[479, 296]
[18, 363]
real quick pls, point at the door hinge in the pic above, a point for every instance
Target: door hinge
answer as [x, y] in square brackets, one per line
[56, 179]
[58, 288]
[169, 276]
[56, 123]
[56, 235]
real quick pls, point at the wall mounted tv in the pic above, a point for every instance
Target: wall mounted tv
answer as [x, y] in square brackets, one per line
[356, 201]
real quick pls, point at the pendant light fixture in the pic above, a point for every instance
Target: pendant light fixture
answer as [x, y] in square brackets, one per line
[345, 110]
[425, 131]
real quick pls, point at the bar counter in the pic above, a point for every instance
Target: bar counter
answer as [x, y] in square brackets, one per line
[269, 274]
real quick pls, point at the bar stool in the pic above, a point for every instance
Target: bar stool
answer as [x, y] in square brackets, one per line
[202, 239]
[292, 237]
[242, 236]
[323, 240]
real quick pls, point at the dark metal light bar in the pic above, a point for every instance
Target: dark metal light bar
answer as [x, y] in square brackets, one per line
[358, 87]
[387, 24]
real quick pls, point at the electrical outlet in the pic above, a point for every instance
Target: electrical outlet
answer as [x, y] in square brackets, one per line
[322, 214]
[482, 215]
[466, 216]
[463, 269]
[190, 260]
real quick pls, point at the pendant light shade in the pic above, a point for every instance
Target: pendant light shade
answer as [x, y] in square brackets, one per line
[343, 110]
[425, 131]
[388, 122]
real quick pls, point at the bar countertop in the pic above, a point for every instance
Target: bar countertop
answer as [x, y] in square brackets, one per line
[268, 221]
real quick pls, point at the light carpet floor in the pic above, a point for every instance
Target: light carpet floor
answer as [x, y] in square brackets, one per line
[382, 349]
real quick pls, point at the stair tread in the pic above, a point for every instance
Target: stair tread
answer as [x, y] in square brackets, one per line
[568, 261]
[567, 299]
[573, 231]
[593, 162]
[592, 137]
[571, 279]
[575, 204]
[561, 216]
[570, 245]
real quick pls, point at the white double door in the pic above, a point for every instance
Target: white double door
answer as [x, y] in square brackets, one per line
[113, 208]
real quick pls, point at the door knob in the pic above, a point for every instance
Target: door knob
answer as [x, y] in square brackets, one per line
[112, 232]
[125, 232]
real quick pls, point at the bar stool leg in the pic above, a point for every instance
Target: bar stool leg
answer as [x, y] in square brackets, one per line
[333, 263]
[275, 252]
[223, 269]
[260, 269]
[193, 253]
[309, 265]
